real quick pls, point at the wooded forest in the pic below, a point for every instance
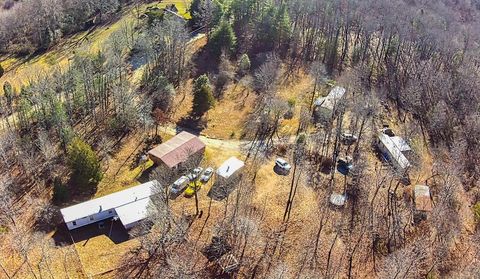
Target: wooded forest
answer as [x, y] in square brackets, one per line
[411, 64]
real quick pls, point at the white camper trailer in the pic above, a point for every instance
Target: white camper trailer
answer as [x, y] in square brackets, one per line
[393, 149]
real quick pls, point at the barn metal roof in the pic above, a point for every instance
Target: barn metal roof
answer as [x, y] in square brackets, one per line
[177, 149]
[116, 200]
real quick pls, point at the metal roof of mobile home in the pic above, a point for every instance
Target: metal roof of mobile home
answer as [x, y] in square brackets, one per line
[332, 99]
[111, 201]
[395, 151]
[177, 149]
[400, 143]
[229, 167]
[133, 212]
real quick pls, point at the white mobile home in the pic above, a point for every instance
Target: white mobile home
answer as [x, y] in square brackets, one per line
[129, 205]
[393, 148]
[325, 107]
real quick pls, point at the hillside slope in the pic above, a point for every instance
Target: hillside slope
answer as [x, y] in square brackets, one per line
[20, 71]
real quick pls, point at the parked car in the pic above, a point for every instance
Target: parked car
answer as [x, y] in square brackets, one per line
[282, 165]
[179, 186]
[192, 188]
[348, 138]
[195, 173]
[388, 131]
[207, 174]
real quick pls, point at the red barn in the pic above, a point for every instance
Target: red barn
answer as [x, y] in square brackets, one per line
[178, 150]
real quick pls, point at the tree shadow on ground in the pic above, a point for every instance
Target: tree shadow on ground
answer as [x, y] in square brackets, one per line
[384, 159]
[192, 124]
[79, 192]
[61, 237]
[48, 220]
[141, 152]
[146, 175]
[114, 230]
[221, 191]
[279, 171]
[204, 63]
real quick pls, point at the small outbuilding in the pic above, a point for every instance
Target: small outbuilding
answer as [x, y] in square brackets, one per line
[130, 206]
[422, 198]
[338, 199]
[180, 149]
[230, 169]
[226, 178]
[326, 107]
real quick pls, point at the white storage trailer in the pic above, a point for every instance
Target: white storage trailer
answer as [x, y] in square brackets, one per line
[229, 169]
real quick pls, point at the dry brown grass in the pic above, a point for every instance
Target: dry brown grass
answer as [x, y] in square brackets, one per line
[62, 261]
[227, 119]
[122, 172]
[99, 254]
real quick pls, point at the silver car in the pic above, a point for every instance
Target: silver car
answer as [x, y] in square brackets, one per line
[348, 138]
[195, 173]
[207, 174]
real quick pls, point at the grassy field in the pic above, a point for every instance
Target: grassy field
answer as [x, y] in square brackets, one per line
[121, 171]
[21, 71]
[227, 119]
[100, 254]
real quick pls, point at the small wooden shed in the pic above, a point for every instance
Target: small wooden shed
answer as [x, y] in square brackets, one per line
[422, 198]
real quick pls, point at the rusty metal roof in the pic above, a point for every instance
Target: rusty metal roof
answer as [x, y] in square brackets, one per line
[423, 201]
[177, 149]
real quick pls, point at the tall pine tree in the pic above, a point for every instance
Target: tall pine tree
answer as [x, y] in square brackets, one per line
[84, 163]
[202, 96]
[223, 39]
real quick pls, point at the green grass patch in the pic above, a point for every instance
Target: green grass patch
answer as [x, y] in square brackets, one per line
[476, 212]
[3, 229]
[126, 177]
